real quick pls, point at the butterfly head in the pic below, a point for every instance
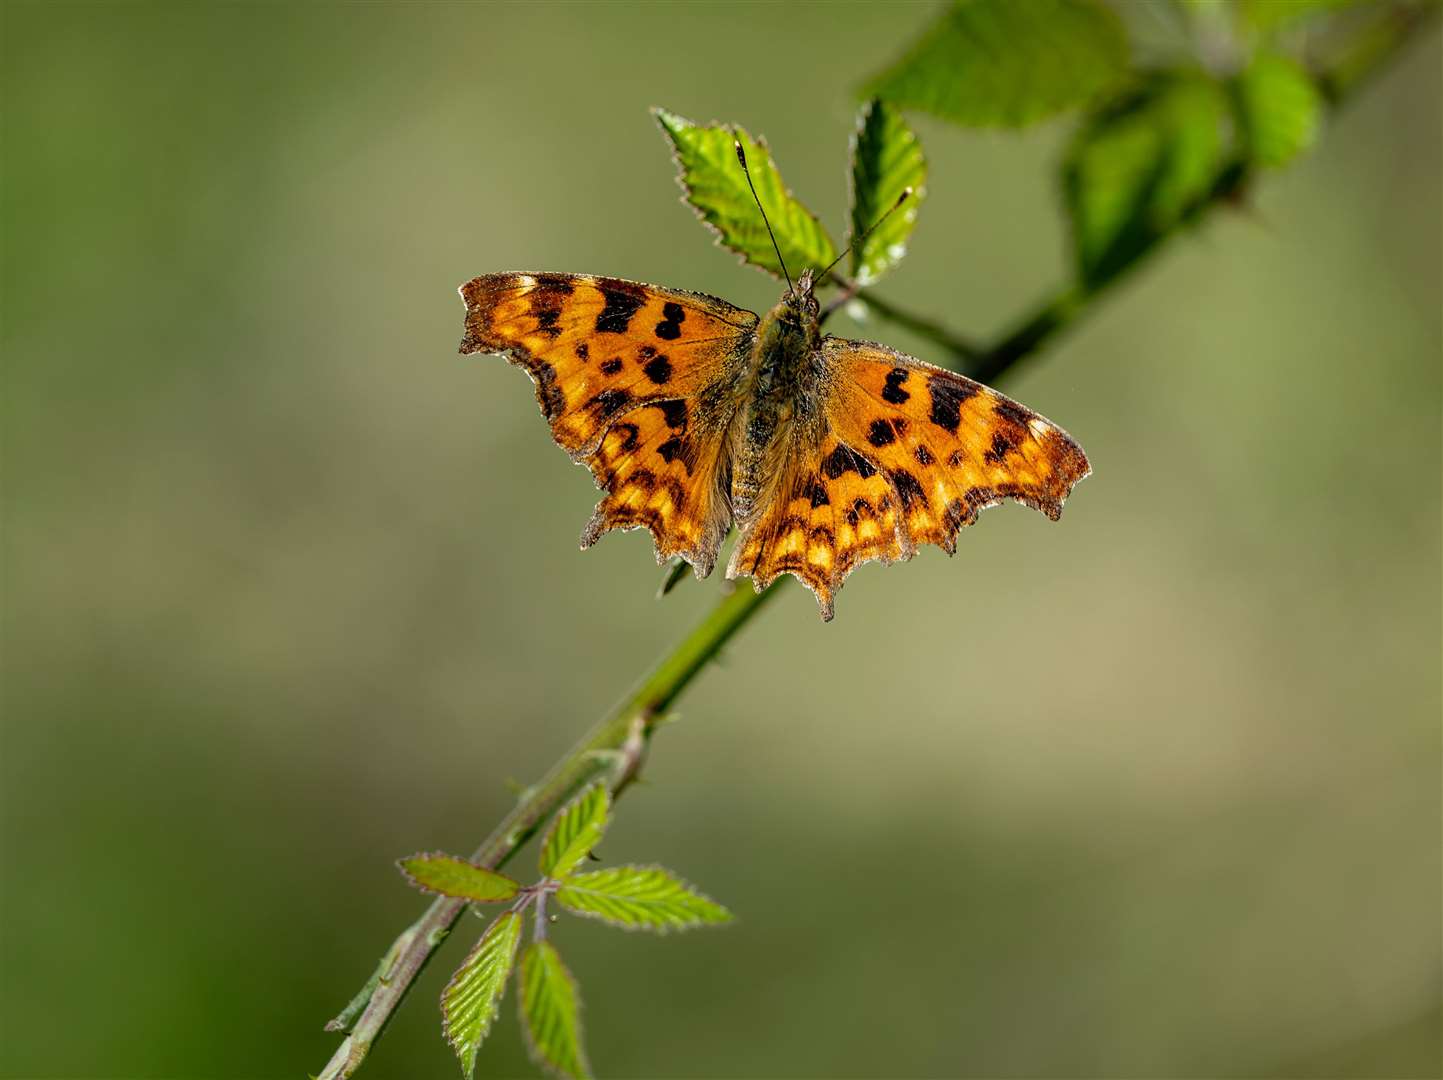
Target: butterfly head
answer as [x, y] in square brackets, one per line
[801, 299]
[798, 315]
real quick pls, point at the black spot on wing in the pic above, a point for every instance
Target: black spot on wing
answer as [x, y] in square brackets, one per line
[554, 285]
[1000, 446]
[675, 448]
[612, 366]
[623, 300]
[859, 509]
[908, 489]
[816, 493]
[844, 459]
[1010, 410]
[658, 369]
[893, 391]
[609, 402]
[947, 399]
[583, 353]
[881, 433]
[923, 455]
[629, 434]
[674, 413]
[673, 315]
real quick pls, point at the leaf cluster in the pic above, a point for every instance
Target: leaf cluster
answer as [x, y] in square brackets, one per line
[1155, 139]
[1153, 142]
[888, 172]
[630, 897]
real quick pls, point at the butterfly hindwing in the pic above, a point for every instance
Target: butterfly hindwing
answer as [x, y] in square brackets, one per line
[634, 381]
[662, 474]
[833, 511]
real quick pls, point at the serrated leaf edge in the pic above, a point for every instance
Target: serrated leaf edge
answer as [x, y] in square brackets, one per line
[570, 805]
[495, 1010]
[718, 237]
[919, 192]
[660, 931]
[429, 891]
[533, 1051]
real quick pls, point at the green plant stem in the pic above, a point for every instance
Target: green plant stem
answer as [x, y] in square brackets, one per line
[923, 327]
[616, 747]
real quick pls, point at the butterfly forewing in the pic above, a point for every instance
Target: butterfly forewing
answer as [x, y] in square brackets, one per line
[634, 380]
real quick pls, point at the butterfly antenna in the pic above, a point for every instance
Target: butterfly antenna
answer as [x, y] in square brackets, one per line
[742, 157]
[906, 194]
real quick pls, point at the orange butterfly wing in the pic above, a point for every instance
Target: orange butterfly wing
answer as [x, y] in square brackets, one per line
[910, 454]
[833, 510]
[635, 381]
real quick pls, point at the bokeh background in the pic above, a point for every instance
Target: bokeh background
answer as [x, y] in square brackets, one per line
[291, 589]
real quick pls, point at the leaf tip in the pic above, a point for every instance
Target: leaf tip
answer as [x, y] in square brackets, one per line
[670, 122]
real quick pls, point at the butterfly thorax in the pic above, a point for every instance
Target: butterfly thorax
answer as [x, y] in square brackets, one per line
[779, 399]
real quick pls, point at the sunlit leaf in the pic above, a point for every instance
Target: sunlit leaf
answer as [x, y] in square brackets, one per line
[717, 190]
[886, 161]
[551, 1012]
[1139, 166]
[449, 875]
[1279, 109]
[1007, 63]
[640, 898]
[473, 996]
[575, 831]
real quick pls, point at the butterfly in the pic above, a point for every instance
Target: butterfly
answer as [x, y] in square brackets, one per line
[696, 416]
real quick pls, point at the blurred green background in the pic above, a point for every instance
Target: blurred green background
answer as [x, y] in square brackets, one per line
[291, 589]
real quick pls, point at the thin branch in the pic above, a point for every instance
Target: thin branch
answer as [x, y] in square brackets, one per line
[956, 346]
[616, 747]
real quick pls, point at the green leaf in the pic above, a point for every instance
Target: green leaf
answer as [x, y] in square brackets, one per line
[886, 161]
[551, 1012]
[577, 829]
[1007, 63]
[717, 190]
[473, 996]
[1278, 109]
[437, 872]
[1268, 15]
[1141, 165]
[640, 898]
